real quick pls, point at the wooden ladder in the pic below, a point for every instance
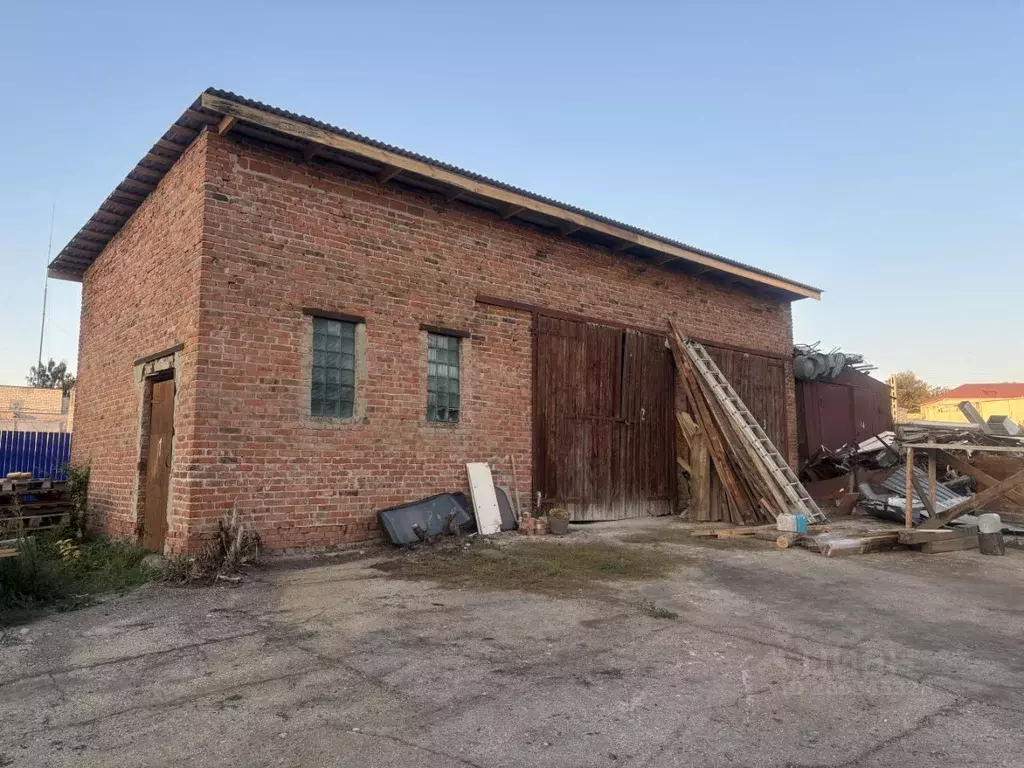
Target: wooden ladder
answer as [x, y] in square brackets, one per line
[772, 465]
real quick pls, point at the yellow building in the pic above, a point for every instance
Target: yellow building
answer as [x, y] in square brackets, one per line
[36, 409]
[1005, 399]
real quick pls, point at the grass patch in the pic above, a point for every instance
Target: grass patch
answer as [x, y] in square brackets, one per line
[550, 568]
[55, 572]
[655, 611]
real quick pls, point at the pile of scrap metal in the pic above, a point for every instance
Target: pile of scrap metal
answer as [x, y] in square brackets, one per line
[874, 453]
[759, 484]
[968, 458]
[809, 363]
[452, 514]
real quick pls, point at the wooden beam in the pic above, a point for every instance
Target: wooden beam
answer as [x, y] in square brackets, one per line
[454, 195]
[908, 514]
[171, 146]
[146, 185]
[155, 158]
[928, 499]
[387, 173]
[301, 130]
[973, 502]
[309, 151]
[200, 117]
[622, 246]
[569, 227]
[510, 210]
[931, 483]
[951, 544]
[983, 479]
[226, 124]
[970, 448]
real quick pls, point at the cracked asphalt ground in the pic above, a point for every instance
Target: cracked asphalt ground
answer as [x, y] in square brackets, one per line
[777, 658]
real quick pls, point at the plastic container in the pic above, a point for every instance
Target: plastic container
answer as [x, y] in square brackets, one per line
[792, 523]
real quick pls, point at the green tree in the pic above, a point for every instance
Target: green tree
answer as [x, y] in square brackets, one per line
[911, 391]
[51, 376]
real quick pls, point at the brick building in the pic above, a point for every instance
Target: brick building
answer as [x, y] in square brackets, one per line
[280, 313]
[36, 409]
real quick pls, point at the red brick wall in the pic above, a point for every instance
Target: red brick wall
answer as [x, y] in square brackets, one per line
[139, 297]
[280, 234]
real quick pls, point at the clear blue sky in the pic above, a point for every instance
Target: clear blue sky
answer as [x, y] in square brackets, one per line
[875, 150]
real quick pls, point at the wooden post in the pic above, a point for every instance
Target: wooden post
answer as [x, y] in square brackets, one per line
[909, 514]
[931, 477]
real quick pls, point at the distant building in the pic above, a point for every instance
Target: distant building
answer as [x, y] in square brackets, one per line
[1004, 399]
[36, 409]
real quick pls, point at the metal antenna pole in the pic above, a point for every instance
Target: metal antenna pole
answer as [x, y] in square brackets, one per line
[46, 284]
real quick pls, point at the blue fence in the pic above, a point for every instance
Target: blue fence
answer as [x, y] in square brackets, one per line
[44, 454]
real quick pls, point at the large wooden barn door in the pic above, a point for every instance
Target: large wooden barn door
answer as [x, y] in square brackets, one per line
[604, 436]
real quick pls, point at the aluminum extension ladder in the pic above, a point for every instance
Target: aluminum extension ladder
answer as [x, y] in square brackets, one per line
[778, 468]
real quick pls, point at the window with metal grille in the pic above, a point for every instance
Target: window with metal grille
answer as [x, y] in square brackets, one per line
[442, 377]
[333, 391]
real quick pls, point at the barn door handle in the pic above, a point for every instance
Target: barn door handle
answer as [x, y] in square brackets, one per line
[643, 413]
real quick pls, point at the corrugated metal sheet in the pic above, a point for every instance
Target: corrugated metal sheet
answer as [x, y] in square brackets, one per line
[44, 454]
[90, 241]
[897, 484]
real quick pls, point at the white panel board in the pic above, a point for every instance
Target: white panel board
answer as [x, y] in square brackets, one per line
[485, 502]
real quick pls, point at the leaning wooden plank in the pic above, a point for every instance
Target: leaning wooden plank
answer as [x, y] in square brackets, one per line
[984, 480]
[700, 480]
[707, 425]
[485, 502]
[977, 500]
[9, 553]
[950, 545]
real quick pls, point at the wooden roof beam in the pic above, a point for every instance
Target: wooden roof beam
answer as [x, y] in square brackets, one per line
[226, 124]
[509, 211]
[171, 146]
[387, 173]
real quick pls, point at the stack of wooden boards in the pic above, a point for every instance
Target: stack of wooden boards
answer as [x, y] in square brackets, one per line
[31, 506]
[837, 543]
[758, 481]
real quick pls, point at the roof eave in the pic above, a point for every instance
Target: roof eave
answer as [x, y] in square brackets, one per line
[228, 112]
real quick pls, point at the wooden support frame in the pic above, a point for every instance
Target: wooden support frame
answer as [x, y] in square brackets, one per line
[983, 479]
[973, 502]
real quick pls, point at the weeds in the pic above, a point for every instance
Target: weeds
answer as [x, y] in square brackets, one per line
[558, 569]
[234, 548]
[655, 611]
[78, 490]
[55, 571]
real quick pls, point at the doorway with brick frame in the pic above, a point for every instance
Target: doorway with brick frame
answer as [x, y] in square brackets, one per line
[157, 433]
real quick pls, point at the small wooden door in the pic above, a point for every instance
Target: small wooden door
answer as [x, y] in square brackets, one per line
[158, 465]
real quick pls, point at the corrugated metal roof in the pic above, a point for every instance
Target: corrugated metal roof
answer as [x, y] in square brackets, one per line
[89, 242]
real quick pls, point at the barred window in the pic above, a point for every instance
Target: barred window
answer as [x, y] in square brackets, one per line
[333, 391]
[442, 377]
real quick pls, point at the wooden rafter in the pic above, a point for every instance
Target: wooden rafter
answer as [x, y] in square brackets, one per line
[226, 124]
